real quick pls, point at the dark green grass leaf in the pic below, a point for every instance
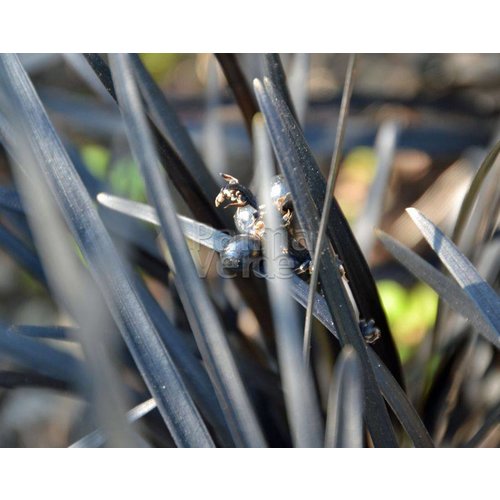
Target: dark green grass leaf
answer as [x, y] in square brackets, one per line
[200, 311]
[361, 281]
[344, 424]
[300, 394]
[447, 289]
[463, 271]
[291, 150]
[108, 270]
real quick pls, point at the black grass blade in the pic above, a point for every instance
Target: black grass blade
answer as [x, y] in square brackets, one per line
[273, 69]
[22, 254]
[446, 288]
[385, 149]
[291, 150]
[400, 404]
[200, 311]
[299, 391]
[165, 118]
[299, 290]
[298, 84]
[44, 332]
[344, 424]
[113, 279]
[239, 85]
[361, 281]
[42, 358]
[472, 193]
[13, 380]
[391, 390]
[462, 271]
[186, 178]
[195, 231]
[330, 186]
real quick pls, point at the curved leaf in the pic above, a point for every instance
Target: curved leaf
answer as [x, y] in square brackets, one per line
[200, 311]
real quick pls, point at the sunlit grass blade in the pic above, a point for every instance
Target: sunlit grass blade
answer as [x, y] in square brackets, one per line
[300, 394]
[289, 143]
[446, 288]
[462, 271]
[200, 311]
[107, 268]
[344, 424]
[195, 231]
[97, 438]
[239, 85]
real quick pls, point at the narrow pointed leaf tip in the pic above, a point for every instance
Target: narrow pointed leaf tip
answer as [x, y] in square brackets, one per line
[462, 271]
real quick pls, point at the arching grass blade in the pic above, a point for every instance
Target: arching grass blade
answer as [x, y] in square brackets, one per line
[289, 150]
[447, 289]
[462, 271]
[200, 311]
[299, 391]
[108, 270]
[241, 90]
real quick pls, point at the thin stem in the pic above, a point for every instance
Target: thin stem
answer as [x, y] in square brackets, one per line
[332, 176]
